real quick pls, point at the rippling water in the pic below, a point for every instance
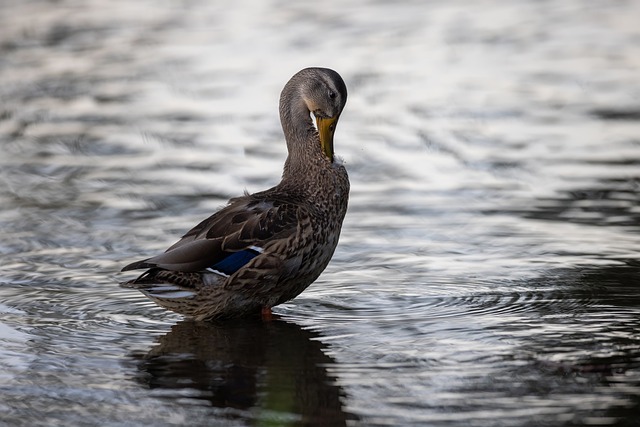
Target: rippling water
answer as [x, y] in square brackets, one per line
[489, 268]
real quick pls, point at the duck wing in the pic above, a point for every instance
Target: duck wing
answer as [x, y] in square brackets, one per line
[231, 237]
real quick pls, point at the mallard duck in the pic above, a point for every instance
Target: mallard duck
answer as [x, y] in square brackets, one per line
[264, 249]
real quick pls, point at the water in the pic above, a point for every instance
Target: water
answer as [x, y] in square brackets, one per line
[489, 265]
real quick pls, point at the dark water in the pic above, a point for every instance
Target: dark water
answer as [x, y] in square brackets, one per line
[489, 268]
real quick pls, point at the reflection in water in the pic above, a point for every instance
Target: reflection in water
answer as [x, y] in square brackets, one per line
[606, 303]
[611, 202]
[601, 356]
[276, 370]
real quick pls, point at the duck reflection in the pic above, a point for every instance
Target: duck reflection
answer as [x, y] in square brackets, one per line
[275, 369]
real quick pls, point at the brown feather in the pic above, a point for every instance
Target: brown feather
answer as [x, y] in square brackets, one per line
[289, 232]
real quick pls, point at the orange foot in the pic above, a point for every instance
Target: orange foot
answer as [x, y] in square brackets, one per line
[267, 315]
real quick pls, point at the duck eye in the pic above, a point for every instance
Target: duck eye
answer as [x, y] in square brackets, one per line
[332, 94]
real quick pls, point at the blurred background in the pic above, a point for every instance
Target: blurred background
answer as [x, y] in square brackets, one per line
[488, 270]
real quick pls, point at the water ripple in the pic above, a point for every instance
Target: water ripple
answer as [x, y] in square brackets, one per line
[488, 265]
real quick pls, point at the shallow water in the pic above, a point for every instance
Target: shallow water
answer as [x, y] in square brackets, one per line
[489, 267]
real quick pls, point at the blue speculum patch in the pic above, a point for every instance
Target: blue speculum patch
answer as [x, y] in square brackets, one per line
[235, 261]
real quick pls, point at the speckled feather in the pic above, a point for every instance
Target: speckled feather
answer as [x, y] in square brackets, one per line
[282, 238]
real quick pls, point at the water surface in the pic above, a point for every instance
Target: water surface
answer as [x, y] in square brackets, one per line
[488, 269]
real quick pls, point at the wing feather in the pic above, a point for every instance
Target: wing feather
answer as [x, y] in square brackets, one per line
[245, 223]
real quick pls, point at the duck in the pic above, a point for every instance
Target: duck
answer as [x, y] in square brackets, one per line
[265, 248]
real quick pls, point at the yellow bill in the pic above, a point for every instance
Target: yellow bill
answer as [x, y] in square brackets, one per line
[326, 128]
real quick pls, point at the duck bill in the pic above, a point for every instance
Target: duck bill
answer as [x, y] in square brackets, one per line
[326, 129]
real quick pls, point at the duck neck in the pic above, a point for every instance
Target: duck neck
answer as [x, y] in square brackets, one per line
[303, 142]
